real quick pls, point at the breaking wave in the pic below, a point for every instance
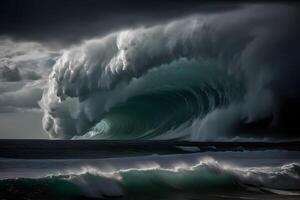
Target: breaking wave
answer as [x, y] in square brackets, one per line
[207, 177]
[192, 76]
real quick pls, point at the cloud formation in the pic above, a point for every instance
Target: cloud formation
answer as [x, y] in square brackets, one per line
[68, 22]
[24, 69]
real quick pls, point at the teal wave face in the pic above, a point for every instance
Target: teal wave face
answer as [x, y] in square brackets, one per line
[167, 98]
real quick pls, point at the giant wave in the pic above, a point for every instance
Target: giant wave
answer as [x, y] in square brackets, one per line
[195, 78]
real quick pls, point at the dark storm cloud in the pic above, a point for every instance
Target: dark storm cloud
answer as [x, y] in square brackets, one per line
[70, 21]
[9, 74]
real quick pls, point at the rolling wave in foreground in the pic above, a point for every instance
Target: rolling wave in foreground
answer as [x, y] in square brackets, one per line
[226, 175]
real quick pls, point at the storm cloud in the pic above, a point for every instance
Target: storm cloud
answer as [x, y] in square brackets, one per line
[24, 69]
[67, 22]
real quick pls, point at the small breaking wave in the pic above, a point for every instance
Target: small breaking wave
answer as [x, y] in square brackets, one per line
[206, 177]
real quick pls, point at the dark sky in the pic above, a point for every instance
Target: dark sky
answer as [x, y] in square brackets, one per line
[70, 21]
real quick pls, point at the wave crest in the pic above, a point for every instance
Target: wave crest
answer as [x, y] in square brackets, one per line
[207, 177]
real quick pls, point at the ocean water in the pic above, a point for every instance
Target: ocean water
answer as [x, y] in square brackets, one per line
[210, 175]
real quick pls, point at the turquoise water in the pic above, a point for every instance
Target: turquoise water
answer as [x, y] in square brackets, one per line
[166, 98]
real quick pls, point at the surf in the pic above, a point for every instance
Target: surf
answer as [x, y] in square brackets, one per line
[154, 178]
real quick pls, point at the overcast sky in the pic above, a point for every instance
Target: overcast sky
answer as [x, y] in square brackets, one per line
[70, 21]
